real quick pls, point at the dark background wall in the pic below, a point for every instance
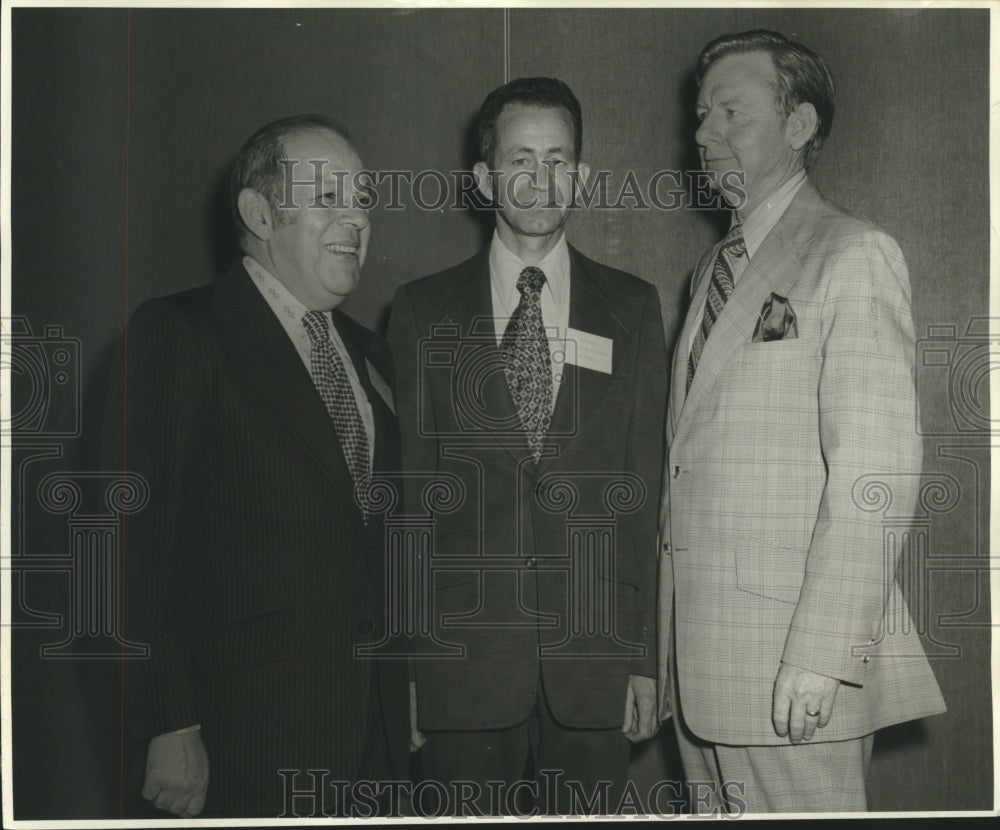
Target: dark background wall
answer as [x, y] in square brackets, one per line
[124, 123]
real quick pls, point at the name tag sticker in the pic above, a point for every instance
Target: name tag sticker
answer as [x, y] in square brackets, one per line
[589, 351]
[380, 386]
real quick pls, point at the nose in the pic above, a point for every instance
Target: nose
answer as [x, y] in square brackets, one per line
[547, 176]
[543, 172]
[355, 217]
[706, 131]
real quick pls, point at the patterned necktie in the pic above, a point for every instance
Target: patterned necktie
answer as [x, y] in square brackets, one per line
[334, 388]
[719, 289]
[527, 363]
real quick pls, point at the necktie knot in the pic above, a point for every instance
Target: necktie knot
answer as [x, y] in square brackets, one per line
[317, 327]
[530, 281]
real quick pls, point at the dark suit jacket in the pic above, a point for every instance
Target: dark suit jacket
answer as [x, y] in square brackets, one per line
[544, 572]
[250, 573]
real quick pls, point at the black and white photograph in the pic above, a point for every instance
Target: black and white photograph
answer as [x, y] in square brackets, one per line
[462, 411]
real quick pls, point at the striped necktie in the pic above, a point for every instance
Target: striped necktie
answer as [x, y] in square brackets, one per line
[719, 289]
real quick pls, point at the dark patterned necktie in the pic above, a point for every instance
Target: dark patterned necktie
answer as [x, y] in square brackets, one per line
[334, 387]
[527, 363]
[719, 289]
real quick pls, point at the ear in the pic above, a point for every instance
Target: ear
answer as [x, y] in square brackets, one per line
[256, 213]
[801, 125]
[484, 182]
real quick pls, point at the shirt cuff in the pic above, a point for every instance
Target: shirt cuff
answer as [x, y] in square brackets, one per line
[195, 728]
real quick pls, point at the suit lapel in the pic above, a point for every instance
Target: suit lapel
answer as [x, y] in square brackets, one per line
[774, 268]
[678, 380]
[255, 340]
[470, 310]
[384, 419]
[591, 311]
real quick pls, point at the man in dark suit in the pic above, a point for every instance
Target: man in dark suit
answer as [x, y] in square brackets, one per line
[256, 411]
[535, 379]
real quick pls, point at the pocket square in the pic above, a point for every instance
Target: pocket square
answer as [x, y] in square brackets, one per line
[776, 321]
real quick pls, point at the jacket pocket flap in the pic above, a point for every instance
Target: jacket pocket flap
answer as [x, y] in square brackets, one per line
[246, 643]
[769, 570]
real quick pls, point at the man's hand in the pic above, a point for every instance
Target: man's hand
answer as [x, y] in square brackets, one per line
[177, 773]
[803, 702]
[417, 738]
[640, 709]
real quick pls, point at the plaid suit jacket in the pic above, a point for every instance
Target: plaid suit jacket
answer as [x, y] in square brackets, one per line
[771, 550]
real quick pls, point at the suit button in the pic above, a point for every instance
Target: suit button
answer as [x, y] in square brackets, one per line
[366, 626]
[531, 561]
[677, 472]
[666, 547]
[866, 658]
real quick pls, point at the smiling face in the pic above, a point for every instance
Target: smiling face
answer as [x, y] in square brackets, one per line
[318, 240]
[742, 128]
[532, 163]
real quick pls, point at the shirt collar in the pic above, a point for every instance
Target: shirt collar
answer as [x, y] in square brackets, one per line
[506, 267]
[282, 300]
[285, 306]
[765, 216]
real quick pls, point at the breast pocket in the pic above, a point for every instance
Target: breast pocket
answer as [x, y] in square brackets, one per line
[779, 351]
[775, 378]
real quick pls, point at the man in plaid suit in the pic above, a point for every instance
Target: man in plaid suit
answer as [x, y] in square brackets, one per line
[785, 642]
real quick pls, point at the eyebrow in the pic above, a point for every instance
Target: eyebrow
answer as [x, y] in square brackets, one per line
[732, 98]
[524, 149]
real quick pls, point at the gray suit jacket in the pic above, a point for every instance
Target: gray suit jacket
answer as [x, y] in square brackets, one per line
[775, 544]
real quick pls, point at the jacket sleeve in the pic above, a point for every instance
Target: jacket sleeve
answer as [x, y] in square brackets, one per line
[867, 427]
[645, 457]
[151, 428]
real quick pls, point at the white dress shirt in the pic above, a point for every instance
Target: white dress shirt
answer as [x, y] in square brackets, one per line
[505, 268]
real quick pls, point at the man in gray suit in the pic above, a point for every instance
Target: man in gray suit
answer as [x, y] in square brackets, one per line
[787, 639]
